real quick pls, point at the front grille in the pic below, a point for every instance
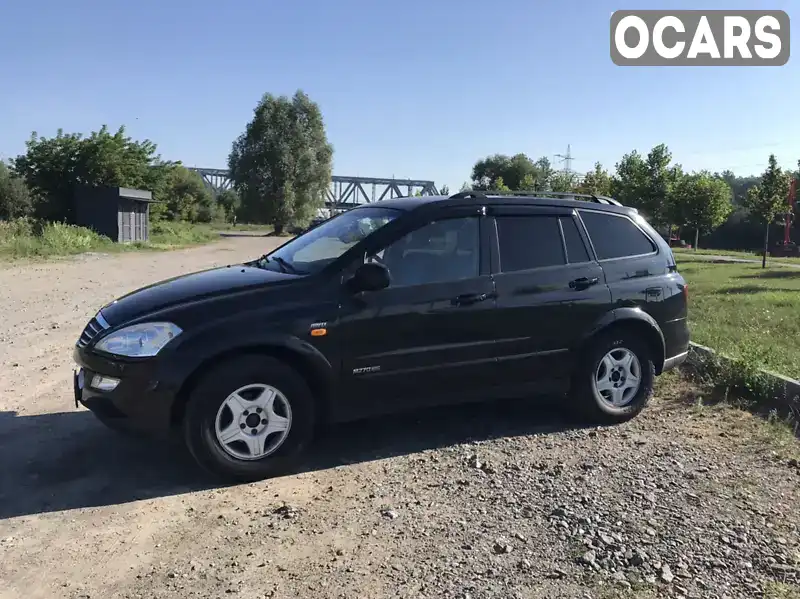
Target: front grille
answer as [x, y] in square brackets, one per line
[96, 326]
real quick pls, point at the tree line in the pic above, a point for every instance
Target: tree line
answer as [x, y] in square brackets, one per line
[730, 212]
[281, 167]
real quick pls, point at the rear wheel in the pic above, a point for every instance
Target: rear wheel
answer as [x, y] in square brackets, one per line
[249, 418]
[614, 380]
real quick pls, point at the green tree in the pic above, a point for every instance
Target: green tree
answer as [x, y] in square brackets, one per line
[229, 202]
[563, 182]
[518, 172]
[281, 164]
[646, 183]
[511, 169]
[596, 182]
[500, 186]
[543, 174]
[445, 190]
[54, 167]
[701, 202]
[184, 196]
[767, 199]
[528, 183]
[656, 193]
[630, 179]
[15, 198]
[465, 186]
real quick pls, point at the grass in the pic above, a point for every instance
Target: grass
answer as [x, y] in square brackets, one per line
[243, 227]
[780, 590]
[24, 239]
[747, 255]
[746, 312]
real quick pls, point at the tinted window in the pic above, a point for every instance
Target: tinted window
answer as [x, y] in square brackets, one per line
[313, 250]
[529, 242]
[441, 251]
[576, 250]
[615, 236]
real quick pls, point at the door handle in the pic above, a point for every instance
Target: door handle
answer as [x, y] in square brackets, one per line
[470, 298]
[583, 283]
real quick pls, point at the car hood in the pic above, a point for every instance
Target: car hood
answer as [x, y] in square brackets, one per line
[180, 290]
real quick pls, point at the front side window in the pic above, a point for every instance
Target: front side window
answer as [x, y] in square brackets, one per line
[315, 249]
[439, 252]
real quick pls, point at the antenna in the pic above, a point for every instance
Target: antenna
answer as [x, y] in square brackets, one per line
[566, 159]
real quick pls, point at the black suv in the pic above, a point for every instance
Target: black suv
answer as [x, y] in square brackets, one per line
[402, 303]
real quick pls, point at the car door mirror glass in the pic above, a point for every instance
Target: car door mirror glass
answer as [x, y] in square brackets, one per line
[370, 276]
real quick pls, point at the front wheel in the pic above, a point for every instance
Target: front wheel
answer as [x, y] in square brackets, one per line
[614, 379]
[249, 418]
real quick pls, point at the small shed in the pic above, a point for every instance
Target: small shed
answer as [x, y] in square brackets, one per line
[119, 213]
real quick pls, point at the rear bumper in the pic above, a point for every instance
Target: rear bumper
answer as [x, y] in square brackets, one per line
[676, 342]
[674, 361]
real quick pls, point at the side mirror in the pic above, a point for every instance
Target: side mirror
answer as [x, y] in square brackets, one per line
[370, 276]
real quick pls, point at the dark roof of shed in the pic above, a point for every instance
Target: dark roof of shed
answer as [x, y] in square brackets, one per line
[135, 194]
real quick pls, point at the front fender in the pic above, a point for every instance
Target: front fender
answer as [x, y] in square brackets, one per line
[209, 347]
[205, 352]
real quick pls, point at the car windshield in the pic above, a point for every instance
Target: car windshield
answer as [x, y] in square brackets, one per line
[315, 249]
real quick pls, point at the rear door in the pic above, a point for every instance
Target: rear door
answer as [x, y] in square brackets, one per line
[640, 271]
[550, 290]
[630, 259]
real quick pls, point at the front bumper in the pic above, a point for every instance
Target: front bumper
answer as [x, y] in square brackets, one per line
[141, 402]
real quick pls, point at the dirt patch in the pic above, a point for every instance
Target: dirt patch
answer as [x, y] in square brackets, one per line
[498, 500]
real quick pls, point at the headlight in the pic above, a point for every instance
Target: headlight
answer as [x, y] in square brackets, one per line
[139, 340]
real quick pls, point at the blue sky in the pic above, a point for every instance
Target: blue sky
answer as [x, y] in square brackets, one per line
[418, 89]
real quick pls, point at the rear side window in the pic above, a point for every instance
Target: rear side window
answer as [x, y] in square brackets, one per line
[615, 236]
[576, 250]
[529, 242]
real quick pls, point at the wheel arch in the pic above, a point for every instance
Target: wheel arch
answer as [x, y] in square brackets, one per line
[635, 321]
[315, 370]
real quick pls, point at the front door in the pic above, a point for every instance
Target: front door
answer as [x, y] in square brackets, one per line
[549, 292]
[429, 336]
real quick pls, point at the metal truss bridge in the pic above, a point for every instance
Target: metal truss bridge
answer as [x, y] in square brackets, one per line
[342, 191]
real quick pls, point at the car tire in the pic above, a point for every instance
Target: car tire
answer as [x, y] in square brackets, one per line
[596, 386]
[209, 418]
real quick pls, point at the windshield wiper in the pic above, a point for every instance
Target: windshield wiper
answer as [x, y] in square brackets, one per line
[284, 265]
[287, 267]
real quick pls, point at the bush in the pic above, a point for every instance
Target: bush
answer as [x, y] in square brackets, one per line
[171, 233]
[15, 198]
[25, 238]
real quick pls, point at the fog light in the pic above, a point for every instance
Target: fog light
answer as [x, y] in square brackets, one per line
[104, 383]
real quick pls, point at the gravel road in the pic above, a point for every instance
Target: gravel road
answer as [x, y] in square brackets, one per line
[503, 500]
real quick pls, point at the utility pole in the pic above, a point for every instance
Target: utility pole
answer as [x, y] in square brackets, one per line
[566, 159]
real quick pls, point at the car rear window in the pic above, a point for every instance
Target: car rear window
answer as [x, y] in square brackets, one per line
[615, 236]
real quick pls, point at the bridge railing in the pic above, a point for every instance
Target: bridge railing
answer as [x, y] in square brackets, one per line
[342, 190]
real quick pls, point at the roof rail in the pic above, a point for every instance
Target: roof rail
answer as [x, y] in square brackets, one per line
[535, 194]
[467, 194]
[565, 194]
